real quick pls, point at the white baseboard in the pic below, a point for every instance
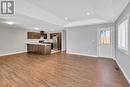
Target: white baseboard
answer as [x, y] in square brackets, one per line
[89, 55]
[81, 54]
[12, 53]
[123, 71]
[107, 57]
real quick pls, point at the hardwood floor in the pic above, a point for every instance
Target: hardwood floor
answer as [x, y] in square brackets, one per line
[59, 70]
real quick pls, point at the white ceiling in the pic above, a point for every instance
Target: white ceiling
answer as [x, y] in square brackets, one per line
[50, 14]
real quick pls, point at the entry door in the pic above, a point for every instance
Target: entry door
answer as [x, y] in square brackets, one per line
[105, 42]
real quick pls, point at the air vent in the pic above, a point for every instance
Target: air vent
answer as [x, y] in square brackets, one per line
[117, 69]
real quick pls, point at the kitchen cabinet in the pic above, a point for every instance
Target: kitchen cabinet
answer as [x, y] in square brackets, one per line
[43, 49]
[45, 35]
[35, 35]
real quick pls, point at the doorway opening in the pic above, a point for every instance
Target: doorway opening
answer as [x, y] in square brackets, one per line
[56, 45]
[105, 42]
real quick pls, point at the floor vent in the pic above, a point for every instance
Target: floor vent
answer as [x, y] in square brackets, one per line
[117, 69]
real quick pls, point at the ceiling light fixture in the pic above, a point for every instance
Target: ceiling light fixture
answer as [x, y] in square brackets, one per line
[66, 18]
[88, 13]
[9, 22]
[36, 28]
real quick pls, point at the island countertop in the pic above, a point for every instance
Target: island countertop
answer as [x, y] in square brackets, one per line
[34, 43]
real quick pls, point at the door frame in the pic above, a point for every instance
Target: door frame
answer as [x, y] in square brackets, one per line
[112, 30]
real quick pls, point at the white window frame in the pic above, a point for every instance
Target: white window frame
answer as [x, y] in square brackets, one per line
[124, 50]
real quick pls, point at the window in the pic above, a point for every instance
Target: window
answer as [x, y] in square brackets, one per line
[123, 35]
[105, 37]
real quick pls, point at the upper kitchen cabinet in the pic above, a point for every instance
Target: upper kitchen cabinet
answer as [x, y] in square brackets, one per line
[36, 35]
[33, 35]
[45, 35]
[51, 36]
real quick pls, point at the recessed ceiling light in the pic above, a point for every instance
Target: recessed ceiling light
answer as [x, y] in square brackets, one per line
[88, 13]
[66, 18]
[9, 22]
[36, 28]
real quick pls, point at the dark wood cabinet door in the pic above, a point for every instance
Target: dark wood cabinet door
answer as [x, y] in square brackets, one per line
[33, 35]
[39, 49]
[45, 36]
[51, 36]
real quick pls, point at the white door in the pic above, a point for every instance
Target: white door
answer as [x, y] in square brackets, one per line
[106, 42]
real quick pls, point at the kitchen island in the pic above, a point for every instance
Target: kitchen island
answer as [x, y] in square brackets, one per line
[39, 48]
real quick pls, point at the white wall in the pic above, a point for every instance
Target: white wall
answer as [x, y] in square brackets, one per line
[12, 39]
[122, 59]
[83, 40]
